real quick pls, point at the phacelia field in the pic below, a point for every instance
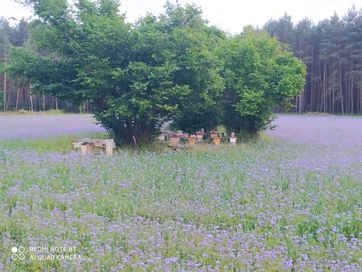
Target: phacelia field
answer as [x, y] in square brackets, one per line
[291, 202]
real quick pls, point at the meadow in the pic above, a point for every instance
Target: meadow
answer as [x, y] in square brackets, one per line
[288, 202]
[42, 126]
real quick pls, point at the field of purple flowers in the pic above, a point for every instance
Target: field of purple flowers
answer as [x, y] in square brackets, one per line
[42, 125]
[290, 204]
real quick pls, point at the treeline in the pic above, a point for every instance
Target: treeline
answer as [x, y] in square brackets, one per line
[12, 92]
[332, 53]
[173, 67]
[16, 93]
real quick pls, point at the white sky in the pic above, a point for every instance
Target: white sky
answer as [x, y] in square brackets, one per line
[229, 15]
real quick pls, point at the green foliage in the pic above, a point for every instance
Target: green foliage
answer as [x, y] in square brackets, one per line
[198, 68]
[168, 68]
[259, 76]
[330, 49]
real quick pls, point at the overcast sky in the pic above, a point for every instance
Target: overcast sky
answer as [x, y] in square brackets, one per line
[229, 15]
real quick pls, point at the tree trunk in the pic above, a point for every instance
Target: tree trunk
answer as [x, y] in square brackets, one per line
[17, 99]
[43, 102]
[4, 85]
[324, 87]
[341, 85]
[31, 99]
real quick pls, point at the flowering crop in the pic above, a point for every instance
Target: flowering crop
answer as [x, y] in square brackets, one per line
[270, 206]
[33, 126]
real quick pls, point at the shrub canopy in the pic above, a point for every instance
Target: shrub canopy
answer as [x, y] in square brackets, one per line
[173, 67]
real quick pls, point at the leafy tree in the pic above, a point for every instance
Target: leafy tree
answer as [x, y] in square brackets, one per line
[282, 28]
[259, 76]
[4, 58]
[198, 67]
[19, 34]
[134, 77]
[168, 68]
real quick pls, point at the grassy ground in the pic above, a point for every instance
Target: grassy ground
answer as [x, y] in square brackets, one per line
[263, 206]
[61, 144]
[26, 112]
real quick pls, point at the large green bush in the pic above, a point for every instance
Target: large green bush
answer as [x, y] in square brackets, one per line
[259, 75]
[174, 67]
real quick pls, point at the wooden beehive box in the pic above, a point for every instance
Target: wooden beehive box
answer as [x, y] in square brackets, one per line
[90, 146]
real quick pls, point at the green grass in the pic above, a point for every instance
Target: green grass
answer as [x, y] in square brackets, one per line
[61, 144]
[26, 112]
[251, 207]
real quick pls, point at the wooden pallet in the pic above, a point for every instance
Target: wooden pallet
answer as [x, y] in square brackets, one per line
[90, 146]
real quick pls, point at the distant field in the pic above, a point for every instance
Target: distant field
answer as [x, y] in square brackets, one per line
[289, 204]
[41, 126]
[319, 129]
